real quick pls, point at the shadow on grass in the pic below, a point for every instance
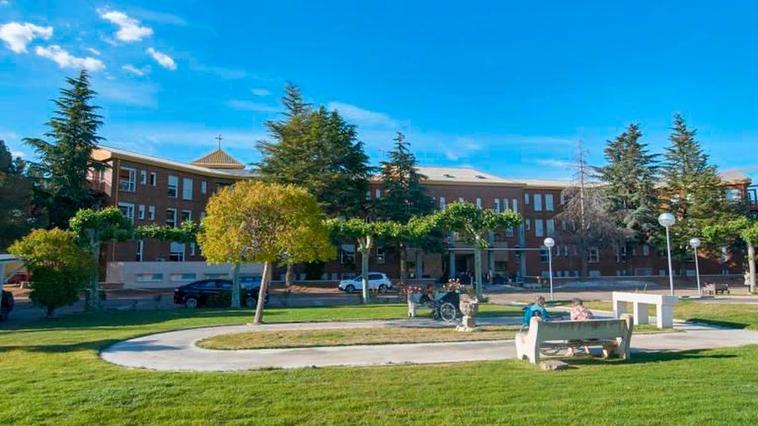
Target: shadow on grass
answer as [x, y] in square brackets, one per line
[719, 323]
[93, 345]
[650, 357]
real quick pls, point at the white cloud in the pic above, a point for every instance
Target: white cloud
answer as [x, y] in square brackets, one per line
[129, 92]
[260, 92]
[140, 72]
[92, 51]
[242, 105]
[163, 59]
[17, 36]
[363, 117]
[66, 60]
[17, 154]
[550, 162]
[129, 29]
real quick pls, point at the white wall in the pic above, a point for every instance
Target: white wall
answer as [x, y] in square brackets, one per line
[171, 274]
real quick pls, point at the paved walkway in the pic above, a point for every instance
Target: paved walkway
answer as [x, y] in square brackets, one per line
[176, 350]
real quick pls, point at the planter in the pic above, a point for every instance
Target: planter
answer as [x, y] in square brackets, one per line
[469, 307]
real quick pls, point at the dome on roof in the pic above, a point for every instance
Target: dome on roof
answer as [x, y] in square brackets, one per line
[218, 159]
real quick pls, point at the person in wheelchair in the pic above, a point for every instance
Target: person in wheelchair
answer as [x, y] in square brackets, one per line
[428, 296]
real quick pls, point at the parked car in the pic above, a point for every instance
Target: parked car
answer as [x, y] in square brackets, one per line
[217, 292]
[18, 278]
[376, 281]
[6, 304]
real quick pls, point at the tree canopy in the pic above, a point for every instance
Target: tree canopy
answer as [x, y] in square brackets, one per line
[254, 221]
[17, 195]
[66, 159]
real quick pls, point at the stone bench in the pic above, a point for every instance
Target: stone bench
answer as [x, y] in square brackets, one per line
[613, 334]
[716, 288]
[664, 305]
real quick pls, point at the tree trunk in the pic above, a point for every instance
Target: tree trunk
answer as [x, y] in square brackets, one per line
[478, 270]
[751, 266]
[288, 275]
[265, 279]
[94, 297]
[364, 273]
[236, 285]
[403, 264]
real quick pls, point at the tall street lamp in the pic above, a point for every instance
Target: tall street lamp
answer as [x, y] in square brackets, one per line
[550, 243]
[667, 220]
[695, 243]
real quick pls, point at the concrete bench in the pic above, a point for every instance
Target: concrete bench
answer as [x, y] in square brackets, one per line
[716, 288]
[664, 305]
[613, 334]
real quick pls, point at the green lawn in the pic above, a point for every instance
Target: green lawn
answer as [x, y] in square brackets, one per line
[734, 315]
[50, 373]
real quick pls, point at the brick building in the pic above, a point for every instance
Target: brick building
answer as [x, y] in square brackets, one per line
[153, 190]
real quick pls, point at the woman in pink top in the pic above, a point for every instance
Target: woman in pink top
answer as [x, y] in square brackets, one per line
[579, 312]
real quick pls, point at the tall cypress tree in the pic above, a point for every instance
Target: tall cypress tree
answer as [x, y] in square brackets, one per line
[692, 189]
[66, 160]
[629, 179]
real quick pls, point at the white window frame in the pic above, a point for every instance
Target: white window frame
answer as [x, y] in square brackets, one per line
[539, 228]
[189, 215]
[176, 253]
[203, 187]
[153, 179]
[537, 202]
[151, 212]
[175, 186]
[174, 214]
[593, 255]
[130, 209]
[131, 183]
[550, 227]
[478, 202]
[443, 202]
[141, 212]
[142, 177]
[514, 207]
[526, 198]
[497, 205]
[187, 187]
[378, 193]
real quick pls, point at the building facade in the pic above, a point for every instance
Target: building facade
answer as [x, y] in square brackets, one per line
[150, 190]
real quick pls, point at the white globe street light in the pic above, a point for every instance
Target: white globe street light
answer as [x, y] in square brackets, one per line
[695, 243]
[550, 243]
[667, 220]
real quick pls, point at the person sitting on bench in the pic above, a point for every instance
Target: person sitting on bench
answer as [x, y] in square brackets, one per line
[428, 296]
[537, 309]
[579, 312]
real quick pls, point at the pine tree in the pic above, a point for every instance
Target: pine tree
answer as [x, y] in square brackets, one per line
[404, 197]
[692, 189]
[65, 162]
[629, 179]
[403, 194]
[17, 195]
[316, 149]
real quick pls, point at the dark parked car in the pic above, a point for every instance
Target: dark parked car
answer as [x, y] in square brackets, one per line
[217, 292]
[6, 304]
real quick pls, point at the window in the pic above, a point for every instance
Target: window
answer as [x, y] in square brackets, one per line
[549, 205]
[202, 215]
[528, 225]
[733, 195]
[566, 250]
[621, 254]
[479, 202]
[514, 207]
[186, 215]
[526, 199]
[171, 217]
[173, 186]
[543, 255]
[460, 199]
[127, 209]
[550, 225]
[509, 231]
[186, 189]
[127, 179]
[645, 250]
[140, 246]
[505, 204]
[151, 212]
[378, 193]
[539, 230]
[497, 205]
[203, 187]
[563, 198]
[380, 255]
[153, 179]
[149, 278]
[193, 248]
[442, 202]
[176, 252]
[141, 212]
[538, 202]
[347, 254]
[594, 255]
[183, 276]
[142, 177]
[368, 194]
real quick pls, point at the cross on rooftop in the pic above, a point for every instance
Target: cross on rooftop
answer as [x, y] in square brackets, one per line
[218, 139]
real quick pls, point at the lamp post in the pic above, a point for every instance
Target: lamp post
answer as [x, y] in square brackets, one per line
[695, 243]
[667, 220]
[549, 243]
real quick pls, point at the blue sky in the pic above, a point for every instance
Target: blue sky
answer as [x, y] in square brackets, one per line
[508, 88]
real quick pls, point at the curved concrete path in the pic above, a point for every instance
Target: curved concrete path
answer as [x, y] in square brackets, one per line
[176, 350]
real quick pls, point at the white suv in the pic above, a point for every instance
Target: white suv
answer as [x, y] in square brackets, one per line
[376, 281]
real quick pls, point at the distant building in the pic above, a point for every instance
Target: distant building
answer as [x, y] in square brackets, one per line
[154, 190]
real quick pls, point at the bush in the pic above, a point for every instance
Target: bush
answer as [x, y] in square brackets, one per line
[59, 267]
